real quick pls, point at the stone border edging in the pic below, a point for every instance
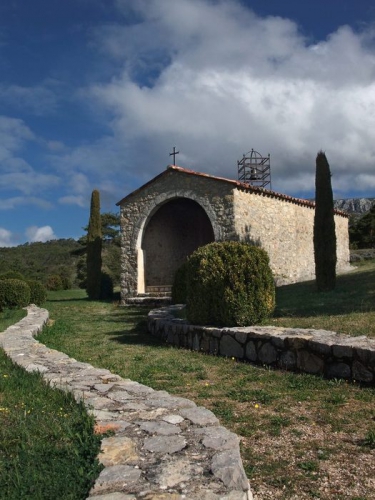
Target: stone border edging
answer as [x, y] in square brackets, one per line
[162, 447]
[318, 352]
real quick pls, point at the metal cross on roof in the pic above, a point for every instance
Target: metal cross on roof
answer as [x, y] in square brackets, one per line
[174, 153]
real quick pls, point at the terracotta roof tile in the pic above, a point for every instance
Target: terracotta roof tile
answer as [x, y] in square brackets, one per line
[240, 185]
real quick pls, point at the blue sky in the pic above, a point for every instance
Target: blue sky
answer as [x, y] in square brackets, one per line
[94, 94]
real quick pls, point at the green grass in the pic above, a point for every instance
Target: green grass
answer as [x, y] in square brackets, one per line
[47, 445]
[349, 309]
[10, 316]
[294, 427]
[48, 448]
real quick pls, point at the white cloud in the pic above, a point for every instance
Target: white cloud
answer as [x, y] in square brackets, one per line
[28, 181]
[80, 201]
[43, 234]
[17, 176]
[101, 157]
[6, 238]
[225, 81]
[13, 135]
[16, 201]
[105, 165]
[39, 99]
[56, 146]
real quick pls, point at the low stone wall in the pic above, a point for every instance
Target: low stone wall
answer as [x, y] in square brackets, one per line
[318, 352]
[163, 447]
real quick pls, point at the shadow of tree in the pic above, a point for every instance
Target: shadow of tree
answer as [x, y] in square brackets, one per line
[354, 293]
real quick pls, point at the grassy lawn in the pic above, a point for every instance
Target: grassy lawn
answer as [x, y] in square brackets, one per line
[10, 316]
[47, 446]
[349, 309]
[302, 437]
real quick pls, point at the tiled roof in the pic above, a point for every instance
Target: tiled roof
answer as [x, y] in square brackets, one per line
[238, 184]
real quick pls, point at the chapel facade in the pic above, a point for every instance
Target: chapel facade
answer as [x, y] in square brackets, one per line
[179, 210]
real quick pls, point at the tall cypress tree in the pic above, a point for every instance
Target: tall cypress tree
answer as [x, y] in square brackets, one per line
[94, 249]
[324, 227]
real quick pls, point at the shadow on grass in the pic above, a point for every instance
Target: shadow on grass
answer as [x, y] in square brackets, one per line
[354, 292]
[136, 332]
[68, 299]
[137, 336]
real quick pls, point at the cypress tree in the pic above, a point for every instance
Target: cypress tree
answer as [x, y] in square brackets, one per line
[94, 249]
[324, 227]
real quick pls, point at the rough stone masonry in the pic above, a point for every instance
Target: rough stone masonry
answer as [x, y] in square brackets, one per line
[163, 447]
[319, 352]
[179, 210]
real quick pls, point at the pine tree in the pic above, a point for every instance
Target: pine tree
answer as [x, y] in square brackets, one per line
[324, 227]
[94, 249]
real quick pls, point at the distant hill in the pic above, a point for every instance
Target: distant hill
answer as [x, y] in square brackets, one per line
[354, 206]
[39, 260]
[57, 257]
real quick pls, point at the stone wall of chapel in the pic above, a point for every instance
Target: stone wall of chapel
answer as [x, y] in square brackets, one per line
[342, 235]
[216, 198]
[285, 230]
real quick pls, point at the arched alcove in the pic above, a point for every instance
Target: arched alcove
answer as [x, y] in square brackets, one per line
[174, 231]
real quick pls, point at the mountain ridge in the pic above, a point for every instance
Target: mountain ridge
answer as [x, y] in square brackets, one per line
[355, 206]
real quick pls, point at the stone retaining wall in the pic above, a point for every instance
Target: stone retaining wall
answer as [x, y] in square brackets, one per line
[163, 447]
[318, 352]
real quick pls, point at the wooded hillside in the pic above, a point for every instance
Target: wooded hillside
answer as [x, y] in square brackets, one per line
[56, 257]
[40, 260]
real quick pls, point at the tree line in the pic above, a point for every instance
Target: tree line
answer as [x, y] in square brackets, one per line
[362, 230]
[61, 263]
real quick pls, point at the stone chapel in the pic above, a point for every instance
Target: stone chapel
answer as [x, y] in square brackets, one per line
[179, 210]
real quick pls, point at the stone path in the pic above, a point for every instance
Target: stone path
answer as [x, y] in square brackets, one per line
[163, 447]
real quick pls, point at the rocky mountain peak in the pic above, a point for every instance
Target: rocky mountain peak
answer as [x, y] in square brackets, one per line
[356, 206]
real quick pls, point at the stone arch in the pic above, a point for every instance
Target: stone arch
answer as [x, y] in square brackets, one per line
[175, 226]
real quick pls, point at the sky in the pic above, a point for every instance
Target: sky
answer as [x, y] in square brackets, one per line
[94, 94]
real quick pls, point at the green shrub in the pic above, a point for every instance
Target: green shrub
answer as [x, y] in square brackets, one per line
[12, 275]
[106, 287]
[179, 290]
[54, 283]
[65, 282]
[38, 292]
[229, 284]
[14, 294]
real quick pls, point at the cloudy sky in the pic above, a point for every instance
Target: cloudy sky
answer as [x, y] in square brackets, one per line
[94, 94]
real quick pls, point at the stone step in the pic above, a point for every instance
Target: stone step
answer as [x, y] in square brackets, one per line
[148, 300]
[160, 289]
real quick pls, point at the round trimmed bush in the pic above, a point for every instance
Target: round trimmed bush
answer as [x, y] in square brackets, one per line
[229, 284]
[14, 294]
[38, 292]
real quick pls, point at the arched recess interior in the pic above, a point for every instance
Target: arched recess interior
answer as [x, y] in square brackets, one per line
[175, 230]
